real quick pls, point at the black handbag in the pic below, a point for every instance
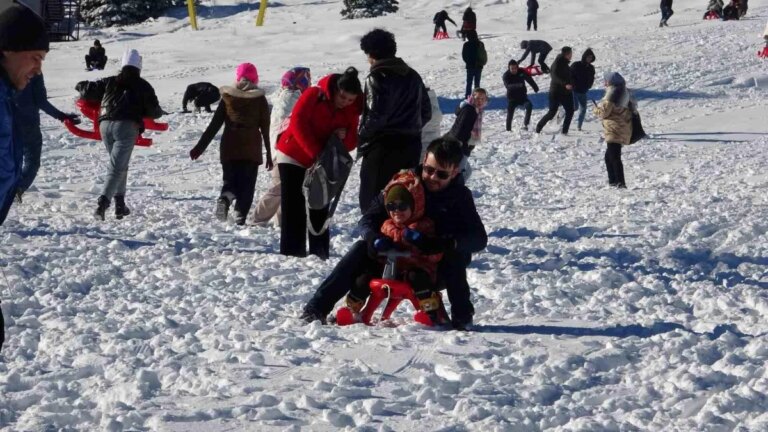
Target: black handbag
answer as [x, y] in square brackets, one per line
[637, 129]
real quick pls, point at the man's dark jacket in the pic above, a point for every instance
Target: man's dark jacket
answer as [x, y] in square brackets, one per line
[396, 103]
[583, 73]
[451, 209]
[533, 6]
[515, 84]
[462, 126]
[561, 76]
[535, 47]
[128, 97]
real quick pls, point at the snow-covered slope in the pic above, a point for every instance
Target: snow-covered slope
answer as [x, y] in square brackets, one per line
[597, 309]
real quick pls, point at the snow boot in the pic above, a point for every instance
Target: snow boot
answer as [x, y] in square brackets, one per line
[310, 315]
[222, 208]
[121, 210]
[101, 209]
[17, 197]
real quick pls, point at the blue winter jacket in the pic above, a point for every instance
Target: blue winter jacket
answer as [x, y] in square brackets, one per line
[10, 145]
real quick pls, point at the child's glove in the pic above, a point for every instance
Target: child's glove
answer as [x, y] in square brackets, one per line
[429, 245]
[412, 236]
[383, 244]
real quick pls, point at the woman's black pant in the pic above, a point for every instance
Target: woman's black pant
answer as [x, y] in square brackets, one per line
[240, 183]
[293, 217]
[614, 165]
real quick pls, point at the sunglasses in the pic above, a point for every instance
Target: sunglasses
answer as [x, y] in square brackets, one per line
[397, 206]
[441, 174]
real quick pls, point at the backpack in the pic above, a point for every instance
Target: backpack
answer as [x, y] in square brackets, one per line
[482, 55]
[324, 181]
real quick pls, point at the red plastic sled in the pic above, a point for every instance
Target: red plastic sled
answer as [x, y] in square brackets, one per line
[763, 53]
[711, 15]
[533, 70]
[441, 35]
[90, 109]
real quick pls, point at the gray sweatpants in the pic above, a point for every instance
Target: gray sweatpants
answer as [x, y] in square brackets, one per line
[269, 204]
[119, 137]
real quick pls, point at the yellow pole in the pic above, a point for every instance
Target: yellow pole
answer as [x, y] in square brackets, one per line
[192, 14]
[262, 12]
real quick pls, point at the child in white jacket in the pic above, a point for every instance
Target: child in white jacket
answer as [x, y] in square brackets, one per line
[294, 82]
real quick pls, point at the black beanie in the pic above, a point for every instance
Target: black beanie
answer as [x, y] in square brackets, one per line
[22, 30]
[566, 50]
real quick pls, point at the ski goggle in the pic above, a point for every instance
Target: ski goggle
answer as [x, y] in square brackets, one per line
[441, 174]
[397, 206]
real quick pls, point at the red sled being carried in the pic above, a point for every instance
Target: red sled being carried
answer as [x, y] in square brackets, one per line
[90, 105]
[394, 291]
[763, 53]
[441, 35]
[533, 70]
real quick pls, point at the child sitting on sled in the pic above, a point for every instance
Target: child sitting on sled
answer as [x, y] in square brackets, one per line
[404, 201]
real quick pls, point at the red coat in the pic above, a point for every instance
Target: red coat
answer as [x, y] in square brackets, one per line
[313, 120]
[417, 222]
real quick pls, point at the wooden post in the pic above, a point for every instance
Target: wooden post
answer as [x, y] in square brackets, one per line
[262, 12]
[192, 14]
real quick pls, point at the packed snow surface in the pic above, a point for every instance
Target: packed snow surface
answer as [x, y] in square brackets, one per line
[597, 309]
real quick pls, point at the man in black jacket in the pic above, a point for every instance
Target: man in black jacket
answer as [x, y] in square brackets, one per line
[583, 75]
[459, 234]
[666, 12]
[534, 47]
[560, 91]
[533, 10]
[439, 20]
[475, 57]
[96, 57]
[396, 108]
[517, 94]
[203, 94]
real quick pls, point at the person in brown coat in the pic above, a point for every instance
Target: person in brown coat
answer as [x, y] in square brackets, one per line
[244, 112]
[615, 110]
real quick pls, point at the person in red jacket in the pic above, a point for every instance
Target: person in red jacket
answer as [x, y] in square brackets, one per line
[333, 107]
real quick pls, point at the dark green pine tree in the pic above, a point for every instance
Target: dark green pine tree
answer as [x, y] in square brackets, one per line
[105, 13]
[354, 9]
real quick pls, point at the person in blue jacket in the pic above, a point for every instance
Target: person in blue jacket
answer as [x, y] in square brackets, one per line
[23, 46]
[29, 103]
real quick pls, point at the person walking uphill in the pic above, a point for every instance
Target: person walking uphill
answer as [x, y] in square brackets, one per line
[533, 12]
[396, 109]
[127, 99]
[331, 108]
[439, 21]
[534, 47]
[517, 95]
[30, 101]
[583, 75]
[244, 112]
[475, 57]
[615, 110]
[560, 91]
[666, 12]
[23, 47]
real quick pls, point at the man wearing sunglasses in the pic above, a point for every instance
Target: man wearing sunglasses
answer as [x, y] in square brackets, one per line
[460, 233]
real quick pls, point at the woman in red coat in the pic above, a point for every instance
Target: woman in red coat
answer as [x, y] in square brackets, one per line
[332, 107]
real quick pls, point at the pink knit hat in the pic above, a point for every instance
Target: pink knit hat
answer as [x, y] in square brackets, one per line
[247, 71]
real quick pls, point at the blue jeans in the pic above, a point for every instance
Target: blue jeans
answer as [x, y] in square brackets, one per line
[119, 138]
[472, 75]
[580, 102]
[33, 145]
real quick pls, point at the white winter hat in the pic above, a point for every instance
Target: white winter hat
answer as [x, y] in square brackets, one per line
[131, 57]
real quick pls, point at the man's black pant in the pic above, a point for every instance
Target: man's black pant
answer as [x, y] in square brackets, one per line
[533, 19]
[438, 27]
[451, 273]
[614, 165]
[384, 159]
[564, 99]
[2, 330]
[512, 105]
[240, 183]
[293, 217]
[96, 63]
[473, 76]
[666, 13]
[542, 57]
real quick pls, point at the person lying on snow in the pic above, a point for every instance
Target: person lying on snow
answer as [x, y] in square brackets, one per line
[404, 203]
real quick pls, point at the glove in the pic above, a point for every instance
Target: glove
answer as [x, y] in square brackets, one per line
[383, 244]
[195, 153]
[429, 245]
[74, 118]
[412, 236]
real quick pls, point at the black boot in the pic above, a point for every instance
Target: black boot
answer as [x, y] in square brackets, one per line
[121, 210]
[103, 205]
[222, 209]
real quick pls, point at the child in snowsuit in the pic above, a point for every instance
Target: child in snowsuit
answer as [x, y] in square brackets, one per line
[666, 12]
[244, 112]
[467, 128]
[517, 94]
[534, 47]
[293, 83]
[615, 110]
[439, 20]
[404, 202]
[203, 94]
